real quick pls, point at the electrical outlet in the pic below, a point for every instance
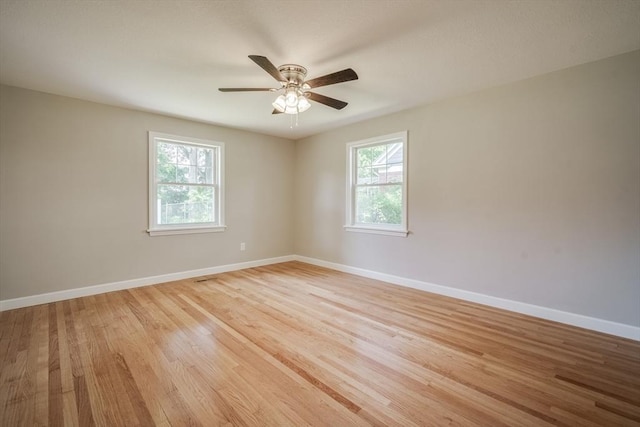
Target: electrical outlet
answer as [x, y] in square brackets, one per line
[242, 246]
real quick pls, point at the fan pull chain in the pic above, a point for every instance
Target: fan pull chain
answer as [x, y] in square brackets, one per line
[291, 125]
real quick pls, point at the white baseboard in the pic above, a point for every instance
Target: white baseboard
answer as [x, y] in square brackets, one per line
[592, 323]
[133, 283]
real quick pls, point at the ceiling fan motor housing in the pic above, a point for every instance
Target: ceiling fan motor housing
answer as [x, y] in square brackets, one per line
[293, 73]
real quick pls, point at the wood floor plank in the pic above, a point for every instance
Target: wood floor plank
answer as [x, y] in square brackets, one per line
[293, 344]
[39, 366]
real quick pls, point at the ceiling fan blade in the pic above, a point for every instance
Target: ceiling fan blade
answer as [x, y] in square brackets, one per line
[266, 65]
[331, 102]
[333, 78]
[246, 89]
[276, 111]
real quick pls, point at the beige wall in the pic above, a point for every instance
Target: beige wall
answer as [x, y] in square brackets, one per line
[529, 192]
[73, 196]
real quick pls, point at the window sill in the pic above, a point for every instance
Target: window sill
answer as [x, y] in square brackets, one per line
[185, 230]
[373, 230]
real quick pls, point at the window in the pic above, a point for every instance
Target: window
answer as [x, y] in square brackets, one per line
[377, 185]
[185, 185]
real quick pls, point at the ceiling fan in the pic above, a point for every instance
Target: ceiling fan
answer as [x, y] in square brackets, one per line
[297, 94]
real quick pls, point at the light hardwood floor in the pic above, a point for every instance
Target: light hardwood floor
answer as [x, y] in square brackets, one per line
[294, 344]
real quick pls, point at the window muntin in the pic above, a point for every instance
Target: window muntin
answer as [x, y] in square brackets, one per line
[185, 176]
[376, 185]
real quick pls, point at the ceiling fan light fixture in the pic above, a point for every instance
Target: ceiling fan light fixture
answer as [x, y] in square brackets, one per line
[280, 104]
[292, 102]
[303, 104]
[291, 97]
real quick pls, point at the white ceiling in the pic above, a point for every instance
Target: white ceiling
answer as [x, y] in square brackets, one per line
[170, 56]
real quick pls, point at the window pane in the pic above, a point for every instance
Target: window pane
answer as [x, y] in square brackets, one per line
[205, 176]
[371, 155]
[368, 160]
[364, 175]
[205, 157]
[376, 173]
[182, 174]
[166, 153]
[379, 205]
[393, 173]
[184, 155]
[181, 204]
[394, 153]
[363, 157]
[166, 162]
[166, 172]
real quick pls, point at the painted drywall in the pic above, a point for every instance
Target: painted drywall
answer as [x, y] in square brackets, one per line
[73, 196]
[528, 192]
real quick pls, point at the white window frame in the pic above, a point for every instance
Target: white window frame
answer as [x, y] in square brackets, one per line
[386, 229]
[156, 229]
